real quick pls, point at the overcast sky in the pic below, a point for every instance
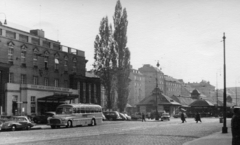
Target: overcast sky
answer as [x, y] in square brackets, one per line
[184, 35]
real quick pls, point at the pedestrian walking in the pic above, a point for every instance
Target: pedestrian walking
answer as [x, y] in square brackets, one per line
[235, 123]
[143, 117]
[198, 117]
[183, 117]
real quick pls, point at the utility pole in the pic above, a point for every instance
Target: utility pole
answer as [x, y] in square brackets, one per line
[224, 128]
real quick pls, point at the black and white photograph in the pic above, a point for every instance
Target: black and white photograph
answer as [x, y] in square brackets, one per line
[119, 72]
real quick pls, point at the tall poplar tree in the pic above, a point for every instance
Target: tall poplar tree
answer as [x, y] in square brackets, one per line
[105, 60]
[123, 62]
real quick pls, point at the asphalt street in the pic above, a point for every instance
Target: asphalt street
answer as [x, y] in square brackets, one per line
[171, 132]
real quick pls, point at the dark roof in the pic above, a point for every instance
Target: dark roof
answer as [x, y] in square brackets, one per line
[201, 103]
[152, 99]
[183, 100]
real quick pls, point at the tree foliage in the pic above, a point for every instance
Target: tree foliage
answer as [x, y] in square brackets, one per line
[123, 63]
[112, 58]
[105, 60]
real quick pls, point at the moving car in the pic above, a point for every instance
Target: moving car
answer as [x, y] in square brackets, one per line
[165, 116]
[112, 115]
[17, 123]
[43, 118]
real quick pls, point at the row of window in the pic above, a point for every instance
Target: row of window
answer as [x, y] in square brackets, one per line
[35, 80]
[46, 60]
[24, 38]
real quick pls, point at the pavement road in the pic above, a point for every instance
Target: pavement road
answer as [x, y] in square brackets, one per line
[171, 132]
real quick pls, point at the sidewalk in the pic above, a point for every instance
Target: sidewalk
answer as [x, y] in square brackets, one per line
[40, 126]
[218, 138]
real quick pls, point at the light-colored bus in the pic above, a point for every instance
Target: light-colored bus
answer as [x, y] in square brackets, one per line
[70, 115]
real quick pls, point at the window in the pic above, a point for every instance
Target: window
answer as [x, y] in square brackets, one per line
[66, 84]
[11, 78]
[46, 81]
[46, 44]
[89, 97]
[10, 34]
[35, 41]
[10, 54]
[35, 60]
[0, 31]
[56, 83]
[23, 57]
[35, 80]
[74, 64]
[65, 63]
[56, 63]
[23, 79]
[46, 63]
[56, 46]
[23, 38]
[84, 92]
[33, 104]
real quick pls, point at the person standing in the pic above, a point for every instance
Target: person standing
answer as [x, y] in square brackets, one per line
[198, 117]
[183, 117]
[235, 124]
[143, 117]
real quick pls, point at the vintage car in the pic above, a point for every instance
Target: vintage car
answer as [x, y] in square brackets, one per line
[43, 118]
[112, 115]
[16, 123]
[165, 116]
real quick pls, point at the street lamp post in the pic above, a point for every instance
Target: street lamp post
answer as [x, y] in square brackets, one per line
[224, 128]
[157, 116]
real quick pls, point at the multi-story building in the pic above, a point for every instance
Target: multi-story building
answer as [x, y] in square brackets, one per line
[152, 76]
[205, 88]
[173, 86]
[136, 87]
[37, 74]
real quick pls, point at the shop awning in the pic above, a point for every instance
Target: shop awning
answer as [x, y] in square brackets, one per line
[59, 97]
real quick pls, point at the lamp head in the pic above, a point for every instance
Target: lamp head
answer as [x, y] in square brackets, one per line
[5, 22]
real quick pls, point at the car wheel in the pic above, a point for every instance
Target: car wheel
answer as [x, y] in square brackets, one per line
[93, 122]
[110, 119]
[69, 124]
[28, 127]
[53, 126]
[13, 128]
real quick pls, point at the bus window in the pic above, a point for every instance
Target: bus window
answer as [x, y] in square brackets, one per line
[74, 110]
[87, 110]
[59, 111]
[68, 110]
[78, 110]
[83, 110]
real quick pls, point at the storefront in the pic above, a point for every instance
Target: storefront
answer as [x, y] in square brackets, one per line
[27, 99]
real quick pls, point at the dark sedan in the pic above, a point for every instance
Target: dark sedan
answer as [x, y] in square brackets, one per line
[43, 118]
[112, 115]
[17, 123]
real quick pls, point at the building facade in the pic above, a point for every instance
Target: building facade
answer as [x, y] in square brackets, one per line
[38, 74]
[152, 76]
[136, 87]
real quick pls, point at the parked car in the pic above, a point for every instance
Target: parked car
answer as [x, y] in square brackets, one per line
[112, 115]
[123, 116]
[165, 116]
[43, 118]
[136, 116]
[103, 117]
[127, 116]
[17, 123]
[177, 115]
